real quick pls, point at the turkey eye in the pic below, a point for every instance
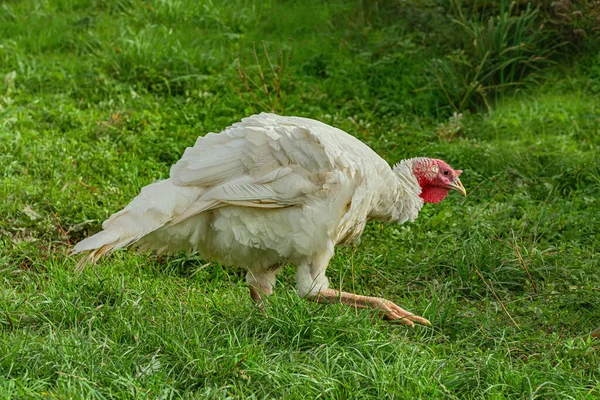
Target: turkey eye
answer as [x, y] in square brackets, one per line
[446, 172]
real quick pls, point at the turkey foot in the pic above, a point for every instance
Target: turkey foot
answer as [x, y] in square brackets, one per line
[391, 311]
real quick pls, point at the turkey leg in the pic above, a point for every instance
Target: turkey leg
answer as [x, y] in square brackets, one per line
[260, 283]
[257, 294]
[391, 311]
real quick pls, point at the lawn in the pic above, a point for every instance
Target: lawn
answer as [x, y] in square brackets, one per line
[99, 98]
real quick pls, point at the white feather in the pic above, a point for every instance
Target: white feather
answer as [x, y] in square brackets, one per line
[266, 191]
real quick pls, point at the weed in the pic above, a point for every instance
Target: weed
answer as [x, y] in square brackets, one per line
[450, 130]
[268, 90]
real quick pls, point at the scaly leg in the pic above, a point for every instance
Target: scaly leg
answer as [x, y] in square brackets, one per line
[257, 294]
[313, 285]
[391, 311]
[261, 285]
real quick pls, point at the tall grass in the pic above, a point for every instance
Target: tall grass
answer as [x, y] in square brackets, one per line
[574, 22]
[265, 85]
[498, 52]
[482, 49]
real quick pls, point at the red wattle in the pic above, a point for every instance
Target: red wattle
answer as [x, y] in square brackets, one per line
[433, 194]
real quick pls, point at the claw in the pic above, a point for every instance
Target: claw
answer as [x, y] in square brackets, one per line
[392, 316]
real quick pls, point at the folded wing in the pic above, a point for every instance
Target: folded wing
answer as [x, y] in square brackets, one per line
[254, 163]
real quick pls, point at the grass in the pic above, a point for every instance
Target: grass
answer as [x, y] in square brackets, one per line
[100, 98]
[503, 51]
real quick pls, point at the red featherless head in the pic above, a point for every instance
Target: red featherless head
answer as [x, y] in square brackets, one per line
[436, 178]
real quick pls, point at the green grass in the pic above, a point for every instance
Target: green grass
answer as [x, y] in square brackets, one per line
[106, 95]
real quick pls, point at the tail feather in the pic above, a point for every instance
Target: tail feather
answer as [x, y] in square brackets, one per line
[93, 256]
[157, 205]
[104, 242]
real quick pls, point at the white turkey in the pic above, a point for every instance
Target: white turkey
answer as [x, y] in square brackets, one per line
[272, 190]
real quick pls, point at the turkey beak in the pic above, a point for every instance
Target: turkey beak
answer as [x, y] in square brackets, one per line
[458, 186]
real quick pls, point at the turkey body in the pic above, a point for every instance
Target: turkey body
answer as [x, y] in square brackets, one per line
[266, 191]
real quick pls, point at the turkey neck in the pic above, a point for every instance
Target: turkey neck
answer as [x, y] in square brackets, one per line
[399, 199]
